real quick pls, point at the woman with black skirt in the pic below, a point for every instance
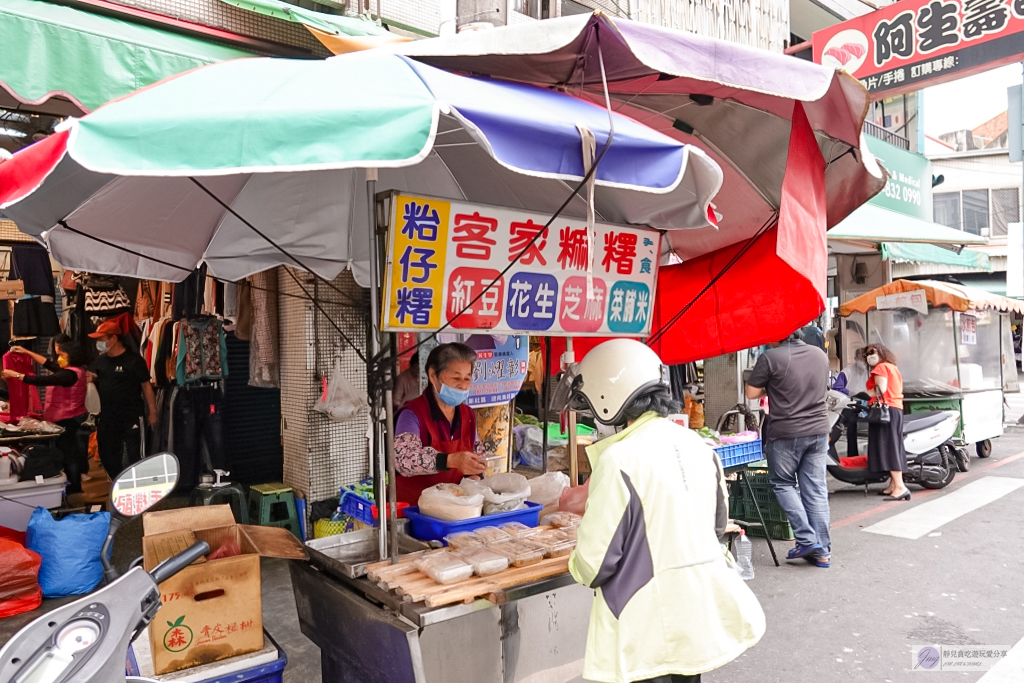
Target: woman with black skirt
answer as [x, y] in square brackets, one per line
[885, 440]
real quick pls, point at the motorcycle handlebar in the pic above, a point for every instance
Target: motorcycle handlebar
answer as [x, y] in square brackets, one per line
[173, 565]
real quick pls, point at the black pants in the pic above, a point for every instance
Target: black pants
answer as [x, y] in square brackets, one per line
[120, 442]
[674, 678]
[75, 448]
[198, 433]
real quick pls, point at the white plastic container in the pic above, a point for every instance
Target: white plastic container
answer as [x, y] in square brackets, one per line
[20, 498]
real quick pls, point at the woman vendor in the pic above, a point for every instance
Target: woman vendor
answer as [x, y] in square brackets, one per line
[436, 440]
[66, 386]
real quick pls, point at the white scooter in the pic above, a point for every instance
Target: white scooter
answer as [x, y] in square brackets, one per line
[933, 458]
[87, 640]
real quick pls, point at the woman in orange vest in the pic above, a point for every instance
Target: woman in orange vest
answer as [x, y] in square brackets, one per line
[435, 436]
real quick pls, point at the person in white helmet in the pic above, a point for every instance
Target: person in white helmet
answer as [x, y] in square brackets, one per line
[668, 602]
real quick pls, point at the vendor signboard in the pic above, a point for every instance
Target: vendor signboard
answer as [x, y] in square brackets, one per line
[443, 257]
[916, 300]
[913, 44]
[502, 362]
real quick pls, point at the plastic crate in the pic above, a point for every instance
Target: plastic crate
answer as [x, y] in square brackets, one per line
[738, 454]
[433, 529]
[757, 477]
[771, 512]
[363, 510]
[780, 531]
[271, 672]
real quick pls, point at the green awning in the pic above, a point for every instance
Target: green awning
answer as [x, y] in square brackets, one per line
[902, 252]
[51, 51]
[328, 23]
[871, 223]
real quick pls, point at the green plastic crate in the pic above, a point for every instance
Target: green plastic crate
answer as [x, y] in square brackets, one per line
[555, 432]
[780, 531]
[757, 477]
[771, 513]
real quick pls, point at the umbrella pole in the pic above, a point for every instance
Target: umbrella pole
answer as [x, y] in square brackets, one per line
[381, 482]
[574, 466]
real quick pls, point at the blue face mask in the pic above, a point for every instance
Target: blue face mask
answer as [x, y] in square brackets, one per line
[452, 396]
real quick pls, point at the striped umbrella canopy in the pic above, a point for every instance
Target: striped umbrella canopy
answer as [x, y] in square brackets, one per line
[156, 183]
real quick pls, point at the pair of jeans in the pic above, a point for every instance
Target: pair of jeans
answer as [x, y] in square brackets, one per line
[74, 444]
[119, 438]
[796, 470]
[198, 433]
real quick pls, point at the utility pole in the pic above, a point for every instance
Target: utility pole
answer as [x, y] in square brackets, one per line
[1015, 142]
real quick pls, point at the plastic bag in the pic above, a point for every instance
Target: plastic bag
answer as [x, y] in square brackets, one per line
[503, 492]
[340, 401]
[529, 440]
[19, 587]
[547, 488]
[70, 551]
[450, 502]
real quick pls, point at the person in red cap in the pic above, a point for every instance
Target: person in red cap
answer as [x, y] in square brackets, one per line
[122, 380]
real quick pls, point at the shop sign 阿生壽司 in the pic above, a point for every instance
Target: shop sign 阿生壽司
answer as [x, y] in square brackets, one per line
[912, 44]
[909, 189]
[443, 255]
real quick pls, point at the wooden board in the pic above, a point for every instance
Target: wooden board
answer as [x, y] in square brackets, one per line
[412, 585]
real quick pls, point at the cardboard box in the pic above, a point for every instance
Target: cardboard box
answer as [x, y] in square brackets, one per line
[11, 289]
[212, 609]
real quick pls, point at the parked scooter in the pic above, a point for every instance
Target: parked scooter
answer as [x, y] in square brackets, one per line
[933, 458]
[87, 641]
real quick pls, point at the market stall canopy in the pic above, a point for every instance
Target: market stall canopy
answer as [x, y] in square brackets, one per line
[957, 297]
[67, 62]
[872, 224]
[742, 105]
[154, 184]
[339, 34]
[904, 252]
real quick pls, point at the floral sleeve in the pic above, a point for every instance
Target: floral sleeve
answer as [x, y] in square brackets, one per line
[412, 458]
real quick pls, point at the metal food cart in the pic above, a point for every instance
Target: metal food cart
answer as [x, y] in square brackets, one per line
[531, 632]
[953, 346]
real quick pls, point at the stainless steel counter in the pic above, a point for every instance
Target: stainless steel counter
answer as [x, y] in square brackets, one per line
[368, 635]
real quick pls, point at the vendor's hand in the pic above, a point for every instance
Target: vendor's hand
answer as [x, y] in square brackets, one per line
[11, 374]
[467, 462]
[90, 377]
[19, 349]
[574, 499]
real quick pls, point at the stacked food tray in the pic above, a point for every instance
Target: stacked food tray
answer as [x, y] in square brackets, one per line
[481, 563]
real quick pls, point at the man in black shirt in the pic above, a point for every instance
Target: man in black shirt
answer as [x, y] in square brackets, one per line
[122, 380]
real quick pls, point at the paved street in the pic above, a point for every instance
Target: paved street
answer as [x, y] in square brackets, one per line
[958, 584]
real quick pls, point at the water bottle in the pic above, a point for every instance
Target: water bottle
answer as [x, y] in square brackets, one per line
[744, 556]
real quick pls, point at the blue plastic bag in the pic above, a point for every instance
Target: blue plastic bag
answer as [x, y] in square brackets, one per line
[70, 550]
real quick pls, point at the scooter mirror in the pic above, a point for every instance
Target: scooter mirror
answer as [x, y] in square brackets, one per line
[143, 484]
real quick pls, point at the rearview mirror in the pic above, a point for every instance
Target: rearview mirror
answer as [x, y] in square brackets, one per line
[144, 484]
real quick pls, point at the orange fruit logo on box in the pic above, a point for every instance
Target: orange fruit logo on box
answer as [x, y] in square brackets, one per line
[178, 636]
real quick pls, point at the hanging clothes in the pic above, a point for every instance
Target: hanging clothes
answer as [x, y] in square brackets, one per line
[30, 263]
[231, 301]
[210, 296]
[263, 367]
[198, 438]
[35, 316]
[189, 295]
[202, 351]
[23, 398]
[243, 323]
[147, 299]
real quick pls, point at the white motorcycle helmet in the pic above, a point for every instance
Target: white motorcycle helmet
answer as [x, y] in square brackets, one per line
[612, 375]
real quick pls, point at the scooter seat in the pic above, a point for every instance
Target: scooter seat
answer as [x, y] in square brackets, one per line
[917, 422]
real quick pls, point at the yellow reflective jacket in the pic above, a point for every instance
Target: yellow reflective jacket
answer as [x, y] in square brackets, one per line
[667, 599]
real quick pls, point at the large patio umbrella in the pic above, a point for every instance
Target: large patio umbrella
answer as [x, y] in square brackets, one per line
[154, 184]
[740, 104]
